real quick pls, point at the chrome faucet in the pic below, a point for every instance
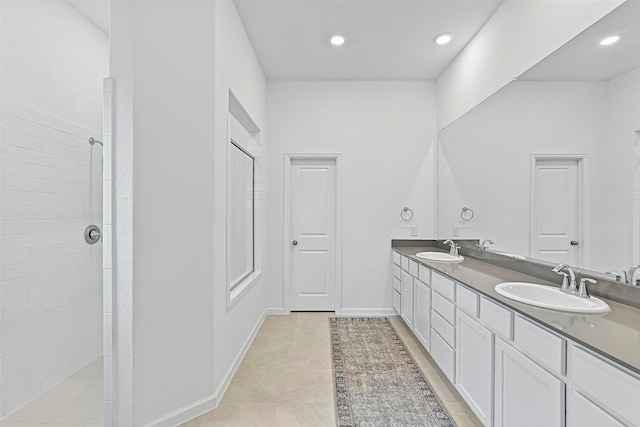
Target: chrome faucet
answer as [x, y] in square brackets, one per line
[619, 277]
[485, 244]
[631, 273]
[454, 247]
[567, 286]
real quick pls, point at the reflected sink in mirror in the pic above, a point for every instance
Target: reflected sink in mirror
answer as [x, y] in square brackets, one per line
[551, 298]
[440, 257]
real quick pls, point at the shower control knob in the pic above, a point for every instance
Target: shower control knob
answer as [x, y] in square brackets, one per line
[294, 243]
[574, 243]
[92, 234]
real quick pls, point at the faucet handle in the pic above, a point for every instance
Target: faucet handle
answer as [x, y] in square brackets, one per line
[582, 290]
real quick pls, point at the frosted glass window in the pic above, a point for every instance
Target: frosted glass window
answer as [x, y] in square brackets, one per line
[240, 231]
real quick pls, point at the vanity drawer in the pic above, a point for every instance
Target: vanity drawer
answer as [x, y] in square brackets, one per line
[443, 355]
[610, 385]
[444, 308]
[396, 283]
[404, 262]
[496, 317]
[397, 271]
[540, 344]
[413, 268]
[443, 328]
[424, 274]
[396, 301]
[396, 257]
[445, 286]
[467, 300]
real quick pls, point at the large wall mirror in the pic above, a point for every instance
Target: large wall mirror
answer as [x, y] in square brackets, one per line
[550, 165]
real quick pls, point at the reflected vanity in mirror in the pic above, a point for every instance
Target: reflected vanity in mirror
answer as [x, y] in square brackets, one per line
[551, 163]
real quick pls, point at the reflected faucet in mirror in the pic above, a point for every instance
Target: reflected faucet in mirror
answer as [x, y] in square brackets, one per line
[485, 244]
[627, 276]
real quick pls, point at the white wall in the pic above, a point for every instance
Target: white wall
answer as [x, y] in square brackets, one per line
[163, 189]
[177, 340]
[384, 133]
[53, 62]
[237, 70]
[491, 148]
[518, 35]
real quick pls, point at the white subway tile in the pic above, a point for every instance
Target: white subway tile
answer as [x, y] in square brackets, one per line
[22, 140]
[20, 183]
[8, 287]
[107, 331]
[12, 167]
[65, 236]
[19, 226]
[8, 197]
[61, 262]
[16, 271]
[12, 390]
[46, 369]
[20, 313]
[107, 291]
[55, 289]
[34, 239]
[34, 198]
[9, 107]
[8, 332]
[25, 282]
[57, 149]
[9, 122]
[15, 344]
[14, 256]
[8, 151]
[18, 212]
[9, 376]
[9, 241]
[54, 225]
[14, 300]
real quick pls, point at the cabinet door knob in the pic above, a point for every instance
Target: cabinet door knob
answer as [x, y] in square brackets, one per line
[574, 243]
[294, 243]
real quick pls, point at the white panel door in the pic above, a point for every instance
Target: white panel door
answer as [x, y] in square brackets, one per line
[313, 245]
[526, 395]
[555, 217]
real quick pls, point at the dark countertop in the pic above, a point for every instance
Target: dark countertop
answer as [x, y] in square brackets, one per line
[615, 335]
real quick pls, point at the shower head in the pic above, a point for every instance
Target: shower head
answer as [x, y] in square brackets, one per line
[93, 141]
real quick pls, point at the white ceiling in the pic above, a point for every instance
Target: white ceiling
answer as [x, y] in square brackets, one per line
[582, 58]
[385, 39]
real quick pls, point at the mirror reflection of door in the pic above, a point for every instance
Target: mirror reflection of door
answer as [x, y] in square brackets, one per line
[555, 211]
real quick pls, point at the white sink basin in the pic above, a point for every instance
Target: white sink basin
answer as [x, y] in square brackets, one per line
[550, 297]
[440, 256]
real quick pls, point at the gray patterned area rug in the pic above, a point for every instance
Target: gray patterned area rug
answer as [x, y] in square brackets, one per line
[377, 382]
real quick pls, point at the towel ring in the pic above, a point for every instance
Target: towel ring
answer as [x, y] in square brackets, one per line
[467, 214]
[406, 214]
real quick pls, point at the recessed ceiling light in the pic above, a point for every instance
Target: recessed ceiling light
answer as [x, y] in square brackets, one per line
[609, 40]
[443, 38]
[337, 40]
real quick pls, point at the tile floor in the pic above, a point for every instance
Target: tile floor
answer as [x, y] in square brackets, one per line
[76, 402]
[286, 378]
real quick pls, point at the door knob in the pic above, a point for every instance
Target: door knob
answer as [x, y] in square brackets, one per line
[574, 243]
[294, 243]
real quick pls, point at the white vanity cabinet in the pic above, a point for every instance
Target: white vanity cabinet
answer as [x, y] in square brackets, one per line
[526, 395]
[603, 394]
[397, 281]
[510, 369]
[474, 365]
[406, 299]
[422, 313]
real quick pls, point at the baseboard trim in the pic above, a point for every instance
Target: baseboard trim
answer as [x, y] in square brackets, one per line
[210, 403]
[371, 312]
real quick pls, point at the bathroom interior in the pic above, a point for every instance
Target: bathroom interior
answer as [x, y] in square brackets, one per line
[119, 115]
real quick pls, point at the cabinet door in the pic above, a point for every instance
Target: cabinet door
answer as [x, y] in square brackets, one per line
[474, 353]
[406, 299]
[584, 413]
[422, 318]
[526, 395]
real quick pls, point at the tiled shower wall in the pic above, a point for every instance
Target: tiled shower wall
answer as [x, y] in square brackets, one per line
[51, 279]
